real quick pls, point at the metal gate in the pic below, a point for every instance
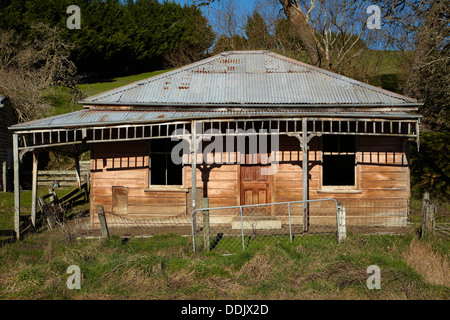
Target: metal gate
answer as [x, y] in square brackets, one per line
[229, 229]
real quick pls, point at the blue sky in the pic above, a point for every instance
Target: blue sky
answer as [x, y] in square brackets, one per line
[246, 7]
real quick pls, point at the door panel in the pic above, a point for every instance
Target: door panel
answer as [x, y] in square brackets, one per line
[255, 188]
[248, 196]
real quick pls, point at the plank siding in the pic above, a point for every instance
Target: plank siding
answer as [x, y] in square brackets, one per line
[381, 173]
[219, 182]
[7, 118]
[125, 164]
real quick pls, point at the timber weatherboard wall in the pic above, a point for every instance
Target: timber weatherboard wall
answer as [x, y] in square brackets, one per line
[382, 173]
[7, 118]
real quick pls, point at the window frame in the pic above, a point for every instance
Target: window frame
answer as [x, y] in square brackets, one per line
[163, 187]
[340, 188]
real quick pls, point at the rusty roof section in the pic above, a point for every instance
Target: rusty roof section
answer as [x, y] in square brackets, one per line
[249, 79]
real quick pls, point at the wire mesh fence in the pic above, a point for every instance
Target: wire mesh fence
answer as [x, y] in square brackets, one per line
[377, 216]
[122, 225]
[229, 229]
[439, 215]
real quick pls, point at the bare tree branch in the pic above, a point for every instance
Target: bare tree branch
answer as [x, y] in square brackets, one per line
[29, 69]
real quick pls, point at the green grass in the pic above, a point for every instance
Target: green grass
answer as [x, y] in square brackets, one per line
[59, 97]
[229, 245]
[389, 75]
[164, 267]
[7, 204]
[91, 89]
[7, 198]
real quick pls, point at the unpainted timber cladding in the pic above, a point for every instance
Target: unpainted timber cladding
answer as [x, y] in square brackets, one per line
[383, 175]
[7, 118]
[220, 182]
[124, 166]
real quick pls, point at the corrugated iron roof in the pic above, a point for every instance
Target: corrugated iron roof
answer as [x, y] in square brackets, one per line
[249, 78]
[93, 117]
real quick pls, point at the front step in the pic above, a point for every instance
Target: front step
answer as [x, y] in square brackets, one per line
[251, 223]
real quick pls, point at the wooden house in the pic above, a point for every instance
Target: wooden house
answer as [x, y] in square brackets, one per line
[7, 118]
[335, 138]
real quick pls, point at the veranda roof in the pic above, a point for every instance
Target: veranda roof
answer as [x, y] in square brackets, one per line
[92, 118]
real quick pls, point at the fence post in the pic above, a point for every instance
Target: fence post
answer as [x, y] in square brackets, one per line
[16, 185]
[193, 230]
[428, 209]
[103, 225]
[4, 168]
[206, 235]
[51, 192]
[242, 230]
[34, 187]
[290, 225]
[342, 230]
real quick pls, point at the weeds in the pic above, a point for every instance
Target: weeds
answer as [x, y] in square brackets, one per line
[432, 266]
[163, 267]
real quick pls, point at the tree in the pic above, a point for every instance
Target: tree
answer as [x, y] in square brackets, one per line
[226, 43]
[116, 36]
[287, 38]
[299, 20]
[29, 68]
[331, 32]
[428, 75]
[257, 33]
[419, 30]
[311, 44]
[429, 167]
[193, 40]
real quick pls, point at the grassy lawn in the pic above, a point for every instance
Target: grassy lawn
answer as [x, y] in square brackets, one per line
[99, 87]
[7, 205]
[389, 75]
[164, 267]
[59, 97]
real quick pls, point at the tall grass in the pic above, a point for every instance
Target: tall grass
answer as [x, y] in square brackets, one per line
[164, 267]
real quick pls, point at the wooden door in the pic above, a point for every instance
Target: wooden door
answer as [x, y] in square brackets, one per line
[255, 187]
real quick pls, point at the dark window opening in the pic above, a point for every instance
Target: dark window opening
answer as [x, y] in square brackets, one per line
[163, 171]
[338, 143]
[338, 165]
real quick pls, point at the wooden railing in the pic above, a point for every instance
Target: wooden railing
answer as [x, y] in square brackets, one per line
[54, 208]
[64, 178]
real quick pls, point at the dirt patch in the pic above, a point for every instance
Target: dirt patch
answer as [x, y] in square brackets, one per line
[434, 267]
